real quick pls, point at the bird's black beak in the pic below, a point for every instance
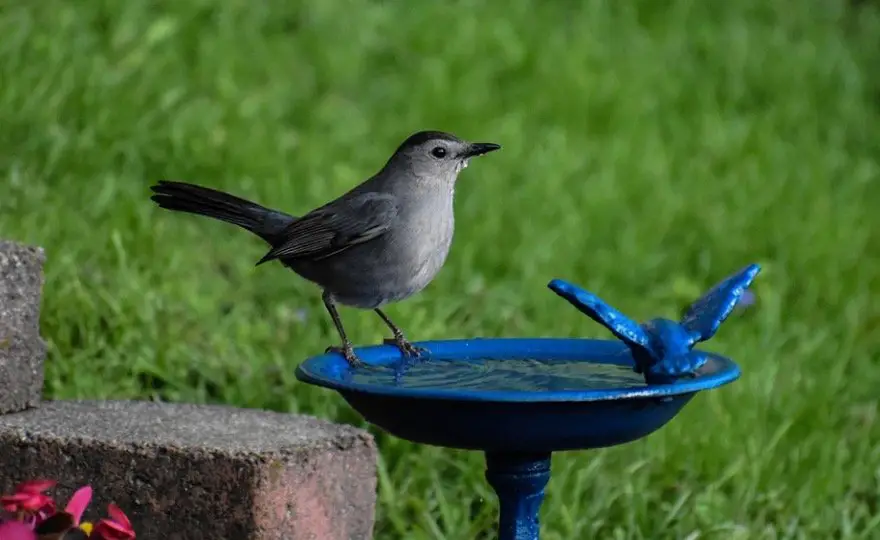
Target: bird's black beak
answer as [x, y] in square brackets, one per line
[480, 148]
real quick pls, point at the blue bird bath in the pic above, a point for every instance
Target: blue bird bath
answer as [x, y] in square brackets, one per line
[518, 400]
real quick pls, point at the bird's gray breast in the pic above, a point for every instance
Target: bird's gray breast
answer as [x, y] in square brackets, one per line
[397, 264]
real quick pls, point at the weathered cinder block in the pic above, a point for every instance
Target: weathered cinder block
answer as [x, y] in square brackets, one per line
[22, 351]
[189, 472]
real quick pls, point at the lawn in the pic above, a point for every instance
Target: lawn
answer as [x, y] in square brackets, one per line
[650, 148]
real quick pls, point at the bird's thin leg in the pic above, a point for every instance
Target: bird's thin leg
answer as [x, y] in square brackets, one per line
[347, 350]
[407, 348]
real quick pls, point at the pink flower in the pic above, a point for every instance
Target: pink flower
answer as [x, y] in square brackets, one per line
[30, 499]
[30, 514]
[118, 527]
[15, 530]
[78, 503]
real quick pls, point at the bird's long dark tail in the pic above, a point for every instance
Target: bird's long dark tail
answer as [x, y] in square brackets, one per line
[193, 199]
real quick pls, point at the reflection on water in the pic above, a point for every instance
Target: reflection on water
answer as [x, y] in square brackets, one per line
[505, 375]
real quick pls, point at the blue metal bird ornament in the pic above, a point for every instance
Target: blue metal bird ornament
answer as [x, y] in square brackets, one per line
[663, 349]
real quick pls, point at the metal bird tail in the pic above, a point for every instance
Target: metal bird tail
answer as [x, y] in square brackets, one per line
[193, 199]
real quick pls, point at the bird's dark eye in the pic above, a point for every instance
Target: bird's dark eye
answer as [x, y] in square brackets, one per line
[438, 152]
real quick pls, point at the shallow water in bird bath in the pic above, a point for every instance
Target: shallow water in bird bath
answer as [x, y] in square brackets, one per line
[526, 375]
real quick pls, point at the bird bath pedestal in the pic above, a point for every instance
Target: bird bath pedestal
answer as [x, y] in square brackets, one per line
[519, 400]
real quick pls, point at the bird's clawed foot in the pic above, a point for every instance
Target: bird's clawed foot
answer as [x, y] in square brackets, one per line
[347, 351]
[408, 349]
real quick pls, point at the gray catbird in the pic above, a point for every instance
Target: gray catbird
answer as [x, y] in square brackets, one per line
[379, 243]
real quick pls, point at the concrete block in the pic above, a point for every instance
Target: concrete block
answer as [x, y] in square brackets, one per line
[22, 351]
[189, 472]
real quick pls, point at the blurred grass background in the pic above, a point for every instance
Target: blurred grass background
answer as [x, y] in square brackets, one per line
[651, 147]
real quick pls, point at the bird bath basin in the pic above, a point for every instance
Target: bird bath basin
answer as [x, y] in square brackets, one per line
[520, 399]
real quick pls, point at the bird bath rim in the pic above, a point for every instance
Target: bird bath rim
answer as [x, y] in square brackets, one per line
[331, 371]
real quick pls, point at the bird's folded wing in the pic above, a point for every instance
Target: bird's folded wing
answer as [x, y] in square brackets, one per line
[333, 228]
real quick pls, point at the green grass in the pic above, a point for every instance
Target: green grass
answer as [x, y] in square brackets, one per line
[650, 148]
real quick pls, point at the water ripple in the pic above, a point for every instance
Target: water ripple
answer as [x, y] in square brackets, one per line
[525, 375]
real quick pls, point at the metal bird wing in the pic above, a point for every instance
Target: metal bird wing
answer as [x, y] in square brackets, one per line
[705, 315]
[624, 328]
[336, 227]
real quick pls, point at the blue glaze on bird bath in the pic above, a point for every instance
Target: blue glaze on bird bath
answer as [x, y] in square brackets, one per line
[520, 399]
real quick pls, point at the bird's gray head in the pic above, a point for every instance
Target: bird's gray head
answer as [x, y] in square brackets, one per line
[434, 154]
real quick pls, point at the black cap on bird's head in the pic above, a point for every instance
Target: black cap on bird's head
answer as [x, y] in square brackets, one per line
[422, 137]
